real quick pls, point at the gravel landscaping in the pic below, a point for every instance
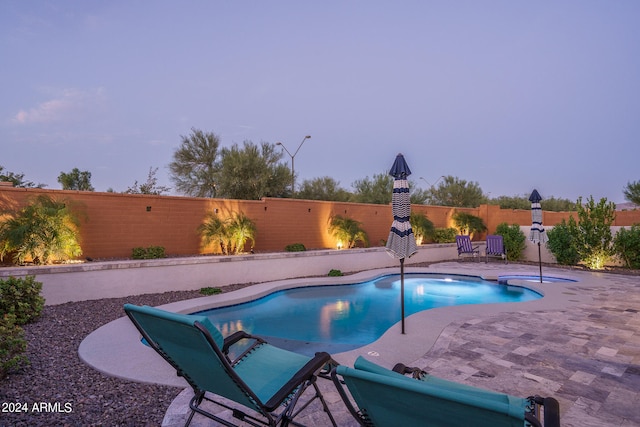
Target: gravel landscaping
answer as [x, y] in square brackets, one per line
[58, 389]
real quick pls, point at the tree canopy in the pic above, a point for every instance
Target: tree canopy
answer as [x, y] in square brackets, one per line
[17, 179]
[456, 192]
[195, 164]
[325, 188]
[632, 192]
[76, 180]
[252, 172]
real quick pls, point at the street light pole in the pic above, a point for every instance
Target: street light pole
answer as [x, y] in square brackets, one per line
[431, 186]
[293, 156]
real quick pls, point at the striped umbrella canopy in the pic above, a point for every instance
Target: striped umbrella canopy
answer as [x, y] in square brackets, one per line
[401, 243]
[537, 233]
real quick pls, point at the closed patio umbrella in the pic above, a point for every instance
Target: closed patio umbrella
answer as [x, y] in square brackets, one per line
[401, 243]
[537, 233]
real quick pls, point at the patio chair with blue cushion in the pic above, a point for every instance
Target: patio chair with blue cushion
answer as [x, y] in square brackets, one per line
[495, 247]
[259, 376]
[466, 248]
[386, 398]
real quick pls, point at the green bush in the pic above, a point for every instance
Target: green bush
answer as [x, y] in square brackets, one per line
[334, 273]
[444, 235]
[594, 241]
[562, 243]
[626, 245]
[513, 239]
[295, 247]
[12, 345]
[21, 298]
[151, 252]
[210, 291]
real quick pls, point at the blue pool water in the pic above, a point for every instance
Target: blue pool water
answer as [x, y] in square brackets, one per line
[343, 317]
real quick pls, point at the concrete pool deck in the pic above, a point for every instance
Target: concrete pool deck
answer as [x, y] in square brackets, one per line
[580, 344]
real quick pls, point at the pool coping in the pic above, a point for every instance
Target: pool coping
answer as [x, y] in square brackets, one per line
[109, 348]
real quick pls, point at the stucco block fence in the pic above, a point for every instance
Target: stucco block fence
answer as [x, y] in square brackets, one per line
[112, 224]
[112, 279]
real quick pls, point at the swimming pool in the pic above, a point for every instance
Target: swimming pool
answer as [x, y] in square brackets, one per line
[338, 318]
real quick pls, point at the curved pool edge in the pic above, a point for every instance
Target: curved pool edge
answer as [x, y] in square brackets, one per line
[109, 348]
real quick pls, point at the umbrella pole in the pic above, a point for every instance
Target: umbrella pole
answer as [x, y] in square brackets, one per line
[540, 262]
[402, 291]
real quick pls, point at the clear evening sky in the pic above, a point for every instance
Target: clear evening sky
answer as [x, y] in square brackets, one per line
[514, 95]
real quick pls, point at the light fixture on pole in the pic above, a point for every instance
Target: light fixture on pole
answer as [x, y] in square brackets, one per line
[293, 156]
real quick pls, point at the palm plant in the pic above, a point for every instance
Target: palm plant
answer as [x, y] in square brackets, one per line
[230, 234]
[240, 229]
[348, 231]
[468, 224]
[422, 227]
[44, 231]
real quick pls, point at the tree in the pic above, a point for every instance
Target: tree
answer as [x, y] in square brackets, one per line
[253, 172]
[17, 179]
[377, 190]
[325, 188]
[44, 231]
[76, 180]
[149, 187]
[632, 192]
[347, 231]
[456, 192]
[522, 202]
[195, 168]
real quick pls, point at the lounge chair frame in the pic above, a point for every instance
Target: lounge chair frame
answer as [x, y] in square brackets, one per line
[279, 410]
[366, 409]
[495, 248]
[465, 247]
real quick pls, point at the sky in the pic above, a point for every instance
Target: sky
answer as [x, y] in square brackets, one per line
[513, 95]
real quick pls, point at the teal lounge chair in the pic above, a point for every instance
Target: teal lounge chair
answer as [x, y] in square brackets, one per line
[495, 247]
[387, 398]
[263, 378]
[466, 248]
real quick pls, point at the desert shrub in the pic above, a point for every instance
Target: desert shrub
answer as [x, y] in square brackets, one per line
[444, 235]
[513, 239]
[562, 242]
[21, 298]
[626, 245]
[295, 247]
[334, 273]
[151, 252]
[12, 345]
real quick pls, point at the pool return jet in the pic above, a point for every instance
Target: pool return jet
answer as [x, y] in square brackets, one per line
[401, 243]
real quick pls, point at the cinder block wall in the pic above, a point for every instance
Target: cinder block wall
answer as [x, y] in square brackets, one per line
[112, 224]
